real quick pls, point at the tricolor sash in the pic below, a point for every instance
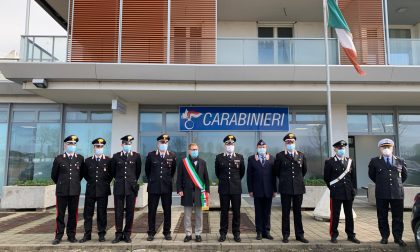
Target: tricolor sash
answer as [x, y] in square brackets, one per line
[197, 182]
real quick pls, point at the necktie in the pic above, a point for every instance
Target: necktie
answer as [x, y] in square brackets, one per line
[388, 162]
[262, 160]
[98, 159]
[71, 157]
[161, 156]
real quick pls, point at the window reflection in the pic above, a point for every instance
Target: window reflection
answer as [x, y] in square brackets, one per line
[410, 148]
[3, 142]
[357, 123]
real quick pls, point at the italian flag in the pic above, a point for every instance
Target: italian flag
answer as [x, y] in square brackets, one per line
[336, 20]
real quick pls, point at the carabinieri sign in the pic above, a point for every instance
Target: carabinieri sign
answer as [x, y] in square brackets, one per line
[234, 118]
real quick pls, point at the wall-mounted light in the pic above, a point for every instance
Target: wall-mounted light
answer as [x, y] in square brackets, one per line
[40, 83]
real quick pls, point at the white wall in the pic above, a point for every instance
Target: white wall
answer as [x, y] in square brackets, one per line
[125, 124]
[339, 123]
[237, 29]
[309, 30]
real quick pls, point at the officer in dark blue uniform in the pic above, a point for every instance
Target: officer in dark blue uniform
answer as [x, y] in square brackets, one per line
[389, 172]
[126, 169]
[230, 169]
[290, 167]
[160, 169]
[98, 176]
[340, 178]
[261, 181]
[67, 172]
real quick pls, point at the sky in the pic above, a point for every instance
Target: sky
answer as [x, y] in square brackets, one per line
[12, 24]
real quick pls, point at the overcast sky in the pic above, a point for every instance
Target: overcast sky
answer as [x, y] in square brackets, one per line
[12, 24]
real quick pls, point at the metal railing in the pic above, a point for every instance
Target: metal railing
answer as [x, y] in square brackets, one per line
[250, 51]
[404, 51]
[43, 49]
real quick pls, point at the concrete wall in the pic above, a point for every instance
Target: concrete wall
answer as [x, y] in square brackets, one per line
[125, 124]
[339, 123]
[237, 29]
[309, 30]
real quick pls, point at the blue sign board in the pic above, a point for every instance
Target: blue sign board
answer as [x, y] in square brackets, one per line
[234, 118]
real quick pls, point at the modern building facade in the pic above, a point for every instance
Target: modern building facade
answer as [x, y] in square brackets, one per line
[155, 56]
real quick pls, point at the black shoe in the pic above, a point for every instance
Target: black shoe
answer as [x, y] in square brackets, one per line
[72, 239]
[187, 238]
[85, 239]
[268, 236]
[401, 243]
[56, 241]
[168, 237]
[101, 238]
[198, 238]
[384, 241]
[353, 239]
[117, 239]
[150, 237]
[222, 238]
[259, 236]
[285, 240]
[334, 239]
[302, 239]
[237, 238]
[127, 239]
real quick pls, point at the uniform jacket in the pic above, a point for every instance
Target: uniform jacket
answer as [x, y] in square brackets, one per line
[160, 171]
[185, 184]
[261, 179]
[230, 173]
[389, 180]
[290, 171]
[67, 174]
[345, 189]
[126, 169]
[98, 175]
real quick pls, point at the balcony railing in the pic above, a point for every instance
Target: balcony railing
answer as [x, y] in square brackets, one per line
[43, 48]
[308, 51]
[404, 51]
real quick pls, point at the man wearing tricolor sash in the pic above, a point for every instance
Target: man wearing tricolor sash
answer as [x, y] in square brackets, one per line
[340, 178]
[193, 186]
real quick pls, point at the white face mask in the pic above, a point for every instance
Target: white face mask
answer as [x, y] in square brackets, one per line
[230, 148]
[387, 152]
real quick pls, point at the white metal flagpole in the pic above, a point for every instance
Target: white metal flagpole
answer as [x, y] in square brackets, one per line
[327, 71]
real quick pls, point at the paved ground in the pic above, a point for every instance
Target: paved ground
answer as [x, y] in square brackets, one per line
[16, 235]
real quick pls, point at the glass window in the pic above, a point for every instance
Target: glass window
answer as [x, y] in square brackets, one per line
[23, 116]
[33, 147]
[382, 123]
[357, 123]
[172, 122]
[409, 118]
[310, 117]
[150, 122]
[409, 148]
[76, 116]
[3, 142]
[101, 116]
[4, 116]
[49, 116]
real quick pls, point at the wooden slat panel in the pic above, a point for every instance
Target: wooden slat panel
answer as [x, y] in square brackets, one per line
[144, 31]
[193, 31]
[94, 33]
[365, 20]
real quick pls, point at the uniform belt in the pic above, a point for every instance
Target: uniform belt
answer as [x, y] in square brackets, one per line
[342, 174]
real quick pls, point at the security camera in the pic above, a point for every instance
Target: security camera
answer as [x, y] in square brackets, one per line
[40, 83]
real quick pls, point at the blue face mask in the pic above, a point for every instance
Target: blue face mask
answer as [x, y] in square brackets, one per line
[163, 147]
[291, 147]
[194, 153]
[71, 148]
[127, 148]
[341, 152]
[99, 152]
[262, 151]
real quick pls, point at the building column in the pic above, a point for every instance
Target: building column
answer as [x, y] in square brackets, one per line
[125, 124]
[339, 123]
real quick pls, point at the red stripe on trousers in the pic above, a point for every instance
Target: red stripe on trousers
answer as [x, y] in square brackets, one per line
[331, 216]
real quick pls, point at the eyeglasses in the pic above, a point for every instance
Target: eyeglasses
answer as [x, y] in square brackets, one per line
[193, 149]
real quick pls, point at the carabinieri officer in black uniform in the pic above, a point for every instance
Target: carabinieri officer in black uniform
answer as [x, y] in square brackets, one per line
[98, 176]
[389, 172]
[160, 169]
[340, 177]
[67, 172]
[230, 169]
[126, 169]
[290, 167]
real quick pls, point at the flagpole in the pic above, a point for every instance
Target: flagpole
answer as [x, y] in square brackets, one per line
[327, 71]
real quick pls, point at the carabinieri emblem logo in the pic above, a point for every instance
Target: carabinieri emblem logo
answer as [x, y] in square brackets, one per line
[188, 115]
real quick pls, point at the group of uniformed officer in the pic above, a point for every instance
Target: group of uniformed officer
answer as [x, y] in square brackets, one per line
[288, 166]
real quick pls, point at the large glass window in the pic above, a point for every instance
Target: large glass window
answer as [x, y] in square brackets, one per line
[34, 142]
[357, 123]
[4, 116]
[409, 126]
[378, 123]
